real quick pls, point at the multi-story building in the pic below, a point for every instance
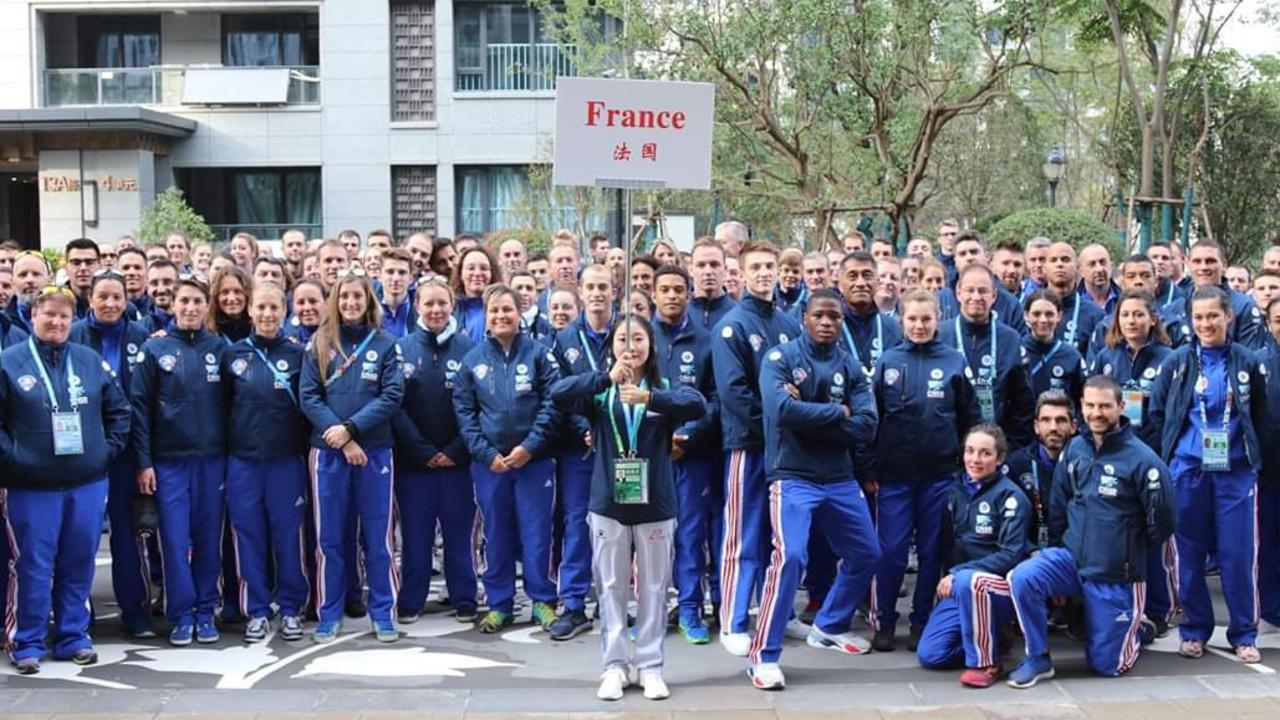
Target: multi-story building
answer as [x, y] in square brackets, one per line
[270, 114]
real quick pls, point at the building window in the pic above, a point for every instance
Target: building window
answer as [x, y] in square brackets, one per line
[413, 200]
[261, 201]
[118, 41]
[271, 40]
[502, 197]
[506, 46]
[413, 61]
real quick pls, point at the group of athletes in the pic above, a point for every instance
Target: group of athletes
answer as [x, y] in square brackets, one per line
[1044, 438]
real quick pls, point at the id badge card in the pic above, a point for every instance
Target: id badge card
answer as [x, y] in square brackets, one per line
[631, 481]
[1134, 405]
[1042, 535]
[986, 399]
[67, 438]
[1217, 451]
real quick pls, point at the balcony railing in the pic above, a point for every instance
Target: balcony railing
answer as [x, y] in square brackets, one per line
[264, 232]
[159, 85]
[518, 67]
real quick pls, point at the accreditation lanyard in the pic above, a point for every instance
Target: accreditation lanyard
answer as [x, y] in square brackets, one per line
[1216, 443]
[1045, 360]
[1074, 325]
[346, 364]
[876, 348]
[632, 417]
[984, 379]
[1042, 529]
[983, 371]
[630, 473]
[280, 377]
[72, 382]
[586, 350]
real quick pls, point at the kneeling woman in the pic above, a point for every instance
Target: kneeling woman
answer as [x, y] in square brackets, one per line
[352, 385]
[180, 436]
[266, 475]
[502, 399]
[63, 418]
[633, 500]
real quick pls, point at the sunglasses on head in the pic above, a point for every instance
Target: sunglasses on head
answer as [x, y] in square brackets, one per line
[356, 272]
[56, 290]
[194, 279]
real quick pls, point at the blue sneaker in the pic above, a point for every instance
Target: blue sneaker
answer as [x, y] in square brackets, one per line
[182, 633]
[207, 632]
[327, 632]
[1031, 671]
[692, 629]
[385, 631]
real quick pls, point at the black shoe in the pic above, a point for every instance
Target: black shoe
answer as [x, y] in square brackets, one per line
[883, 641]
[673, 617]
[913, 640]
[356, 609]
[436, 607]
[84, 656]
[569, 625]
[465, 612]
[712, 621]
[1161, 626]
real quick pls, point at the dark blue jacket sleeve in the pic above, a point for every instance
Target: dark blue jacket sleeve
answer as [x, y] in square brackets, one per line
[1059, 497]
[577, 423]
[467, 410]
[701, 430]
[545, 425]
[6, 438]
[1155, 490]
[390, 394]
[824, 419]
[142, 388]
[311, 395]
[678, 404]
[576, 393]
[1020, 415]
[1160, 396]
[730, 358]
[116, 415]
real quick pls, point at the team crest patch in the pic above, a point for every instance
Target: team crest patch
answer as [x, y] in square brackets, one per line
[1106, 369]
[1242, 376]
[891, 376]
[1057, 371]
[782, 337]
[140, 357]
[984, 507]
[936, 373]
[408, 370]
[453, 365]
[1109, 469]
[838, 379]
[522, 368]
[775, 356]
[282, 365]
[1011, 503]
[210, 358]
[26, 382]
[481, 371]
[686, 356]
[131, 348]
[756, 341]
[799, 375]
[168, 362]
[573, 354]
[986, 360]
[239, 365]
[371, 356]
[1149, 373]
[726, 331]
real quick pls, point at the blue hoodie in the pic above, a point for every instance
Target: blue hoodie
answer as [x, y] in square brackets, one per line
[1014, 403]
[265, 422]
[1111, 505]
[432, 363]
[503, 399]
[367, 395]
[684, 356]
[26, 425]
[813, 438]
[990, 525]
[179, 397]
[738, 345]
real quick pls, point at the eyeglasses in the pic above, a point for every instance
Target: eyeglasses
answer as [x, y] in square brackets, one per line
[356, 272]
[57, 290]
[82, 262]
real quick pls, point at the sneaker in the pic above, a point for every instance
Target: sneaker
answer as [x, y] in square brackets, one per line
[738, 644]
[883, 640]
[291, 628]
[767, 676]
[1146, 631]
[465, 613]
[543, 614]
[796, 630]
[692, 629]
[612, 683]
[207, 632]
[1162, 626]
[257, 629]
[655, 688]
[142, 631]
[810, 611]
[182, 633]
[1030, 671]
[570, 625]
[326, 632]
[355, 609]
[84, 656]
[407, 616]
[913, 640]
[713, 620]
[983, 677]
[436, 607]
[27, 666]
[385, 631]
[493, 622]
[845, 642]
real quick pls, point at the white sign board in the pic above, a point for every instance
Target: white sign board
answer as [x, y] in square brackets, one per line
[637, 134]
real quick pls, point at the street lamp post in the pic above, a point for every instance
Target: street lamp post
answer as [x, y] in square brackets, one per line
[1055, 163]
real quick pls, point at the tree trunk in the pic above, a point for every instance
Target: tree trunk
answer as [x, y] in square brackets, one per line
[1147, 185]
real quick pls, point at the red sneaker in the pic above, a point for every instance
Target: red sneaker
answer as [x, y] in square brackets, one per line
[981, 677]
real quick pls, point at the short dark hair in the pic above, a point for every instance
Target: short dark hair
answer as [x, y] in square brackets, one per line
[1041, 295]
[1055, 398]
[163, 263]
[994, 432]
[398, 254]
[1104, 382]
[132, 250]
[647, 260]
[824, 294]
[971, 236]
[1213, 292]
[672, 270]
[538, 256]
[861, 256]
[84, 244]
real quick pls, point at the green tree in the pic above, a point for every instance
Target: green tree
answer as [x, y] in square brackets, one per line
[171, 213]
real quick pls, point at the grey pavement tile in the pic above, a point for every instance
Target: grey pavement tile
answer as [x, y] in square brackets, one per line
[240, 702]
[1242, 685]
[393, 701]
[97, 701]
[1032, 711]
[957, 712]
[1098, 689]
[828, 714]
[802, 694]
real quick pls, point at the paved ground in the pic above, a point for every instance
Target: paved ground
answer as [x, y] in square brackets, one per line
[441, 667]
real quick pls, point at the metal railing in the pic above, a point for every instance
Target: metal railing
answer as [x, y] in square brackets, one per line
[264, 232]
[518, 67]
[158, 85]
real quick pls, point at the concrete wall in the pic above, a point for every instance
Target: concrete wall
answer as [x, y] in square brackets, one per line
[118, 210]
[191, 39]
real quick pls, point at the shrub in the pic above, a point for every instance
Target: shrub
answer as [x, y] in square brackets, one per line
[1057, 224]
[171, 213]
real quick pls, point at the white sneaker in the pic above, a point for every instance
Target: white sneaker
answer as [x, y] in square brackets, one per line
[612, 683]
[738, 644]
[655, 688]
[767, 676]
[796, 630]
[847, 642]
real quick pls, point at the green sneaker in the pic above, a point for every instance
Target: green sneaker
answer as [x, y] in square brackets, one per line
[493, 621]
[544, 614]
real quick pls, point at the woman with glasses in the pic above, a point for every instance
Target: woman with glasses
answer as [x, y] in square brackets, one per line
[180, 438]
[471, 275]
[503, 402]
[229, 293]
[352, 385]
[108, 331]
[308, 310]
[433, 484]
[63, 418]
[266, 475]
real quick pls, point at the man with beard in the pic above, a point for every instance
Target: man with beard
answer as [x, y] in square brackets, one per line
[1009, 264]
[1032, 467]
[293, 244]
[162, 279]
[30, 274]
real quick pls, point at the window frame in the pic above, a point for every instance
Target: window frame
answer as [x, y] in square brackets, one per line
[90, 27]
[306, 24]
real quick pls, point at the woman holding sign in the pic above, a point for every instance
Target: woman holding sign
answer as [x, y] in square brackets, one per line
[1208, 401]
[634, 413]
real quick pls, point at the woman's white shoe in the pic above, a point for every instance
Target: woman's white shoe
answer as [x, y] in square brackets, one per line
[655, 688]
[612, 683]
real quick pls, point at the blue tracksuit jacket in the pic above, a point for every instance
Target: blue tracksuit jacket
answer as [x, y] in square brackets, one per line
[1135, 372]
[1031, 468]
[426, 425]
[119, 344]
[811, 438]
[1111, 505]
[1249, 327]
[1014, 403]
[179, 397]
[1053, 366]
[707, 313]
[575, 358]
[868, 337]
[684, 355]
[11, 333]
[990, 525]
[1007, 308]
[368, 394]
[738, 346]
[1080, 316]
[265, 421]
[503, 399]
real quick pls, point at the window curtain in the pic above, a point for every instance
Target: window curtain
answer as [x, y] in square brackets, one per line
[471, 201]
[302, 198]
[141, 50]
[257, 198]
[253, 49]
[508, 185]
